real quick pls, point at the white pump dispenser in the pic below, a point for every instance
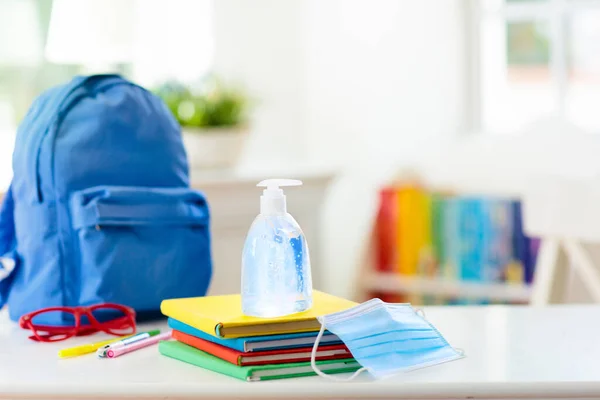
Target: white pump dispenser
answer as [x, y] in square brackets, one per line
[273, 201]
[276, 274]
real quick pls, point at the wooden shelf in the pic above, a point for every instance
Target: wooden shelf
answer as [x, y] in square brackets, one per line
[402, 284]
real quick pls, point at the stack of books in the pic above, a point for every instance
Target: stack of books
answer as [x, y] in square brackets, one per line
[212, 333]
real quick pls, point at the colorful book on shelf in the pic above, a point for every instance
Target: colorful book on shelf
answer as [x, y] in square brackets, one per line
[413, 233]
[191, 355]
[534, 248]
[451, 240]
[491, 245]
[520, 242]
[426, 261]
[259, 343]
[222, 316]
[406, 260]
[471, 234]
[498, 246]
[409, 229]
[524, 247]
[303, 354]
[385, 231]
[437, 230]
[432, 268]
[425, 266]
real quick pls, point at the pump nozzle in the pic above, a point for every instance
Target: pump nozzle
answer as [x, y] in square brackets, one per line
[272, 200]
[274, 184]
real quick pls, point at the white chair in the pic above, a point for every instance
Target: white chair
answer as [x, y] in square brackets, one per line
[565, 213]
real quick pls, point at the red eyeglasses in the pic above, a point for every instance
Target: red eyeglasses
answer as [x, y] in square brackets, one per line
[59, 323]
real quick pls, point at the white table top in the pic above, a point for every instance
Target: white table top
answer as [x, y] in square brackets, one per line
[512, 352]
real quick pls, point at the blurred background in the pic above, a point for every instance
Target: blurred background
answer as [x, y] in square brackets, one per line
[416, 125]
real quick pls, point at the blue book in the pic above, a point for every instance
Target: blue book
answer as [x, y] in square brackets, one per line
[471, 233]
[534, 248]
[524, 247]
[259, 343]
[498, 240]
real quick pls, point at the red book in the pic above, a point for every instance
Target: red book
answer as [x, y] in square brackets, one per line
[385, 230]
[334, 352]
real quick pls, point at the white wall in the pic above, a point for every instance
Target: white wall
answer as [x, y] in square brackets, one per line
[260, 44]
[364, 85]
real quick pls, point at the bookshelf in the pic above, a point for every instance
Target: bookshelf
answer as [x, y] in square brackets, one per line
[473, 257]
[415, 285]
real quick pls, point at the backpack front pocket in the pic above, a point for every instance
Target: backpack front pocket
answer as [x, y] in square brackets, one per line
[138, 246]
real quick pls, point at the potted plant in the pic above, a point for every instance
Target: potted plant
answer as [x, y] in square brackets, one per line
[213, 121]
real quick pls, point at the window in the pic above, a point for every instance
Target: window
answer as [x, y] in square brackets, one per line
[165, 39]
[538, 58]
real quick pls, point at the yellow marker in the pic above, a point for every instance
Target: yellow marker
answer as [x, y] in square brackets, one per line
[87, 348]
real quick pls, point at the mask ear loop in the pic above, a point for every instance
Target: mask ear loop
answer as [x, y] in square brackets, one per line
[421, 313]
[313, 361]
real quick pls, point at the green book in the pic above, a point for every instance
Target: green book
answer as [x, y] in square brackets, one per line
[191, 355]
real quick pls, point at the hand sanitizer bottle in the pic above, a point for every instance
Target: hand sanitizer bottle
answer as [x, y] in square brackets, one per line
[276, 275]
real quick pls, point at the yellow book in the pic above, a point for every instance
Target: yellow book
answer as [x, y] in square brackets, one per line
[221, 316]
[407, 233]
[413, 231]
[402, 240]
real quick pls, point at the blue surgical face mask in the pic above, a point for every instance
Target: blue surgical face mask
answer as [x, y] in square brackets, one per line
[386, 338]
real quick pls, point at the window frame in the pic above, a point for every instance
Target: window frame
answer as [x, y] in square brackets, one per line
[554, 12]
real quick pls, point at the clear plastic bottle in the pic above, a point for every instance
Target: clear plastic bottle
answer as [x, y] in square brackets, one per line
[276, 274]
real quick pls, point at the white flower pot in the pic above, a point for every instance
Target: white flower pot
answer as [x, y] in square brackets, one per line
[216, 147]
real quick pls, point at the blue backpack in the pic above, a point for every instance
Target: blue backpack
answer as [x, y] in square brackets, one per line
[99, 208]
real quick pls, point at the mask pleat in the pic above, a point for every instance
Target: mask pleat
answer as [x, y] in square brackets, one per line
[378, 342]
[397, 334]
[391, 347]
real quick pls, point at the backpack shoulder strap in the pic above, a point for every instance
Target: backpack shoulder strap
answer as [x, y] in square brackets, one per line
[8, 244]
[57, 102]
